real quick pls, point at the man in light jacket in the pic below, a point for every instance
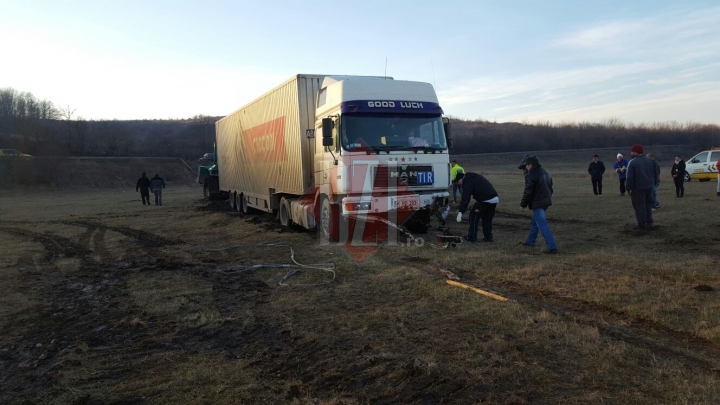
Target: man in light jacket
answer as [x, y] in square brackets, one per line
[157, 184]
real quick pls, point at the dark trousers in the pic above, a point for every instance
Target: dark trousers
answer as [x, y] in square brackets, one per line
[679, 185]
[597, 186]
[145, 195]
[481, 213]
[622, 186]
[642, 203]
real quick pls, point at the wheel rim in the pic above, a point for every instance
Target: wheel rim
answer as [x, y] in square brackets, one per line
[687, 176]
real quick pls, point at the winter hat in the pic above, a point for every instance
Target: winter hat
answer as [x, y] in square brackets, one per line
[596, 156]
[459, 176]
[620, 155]
[637, 148]
[532, 160]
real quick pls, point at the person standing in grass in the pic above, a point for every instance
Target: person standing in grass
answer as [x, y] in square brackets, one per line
[656, 168]
[678, 175]
[486, 199]
[456, 168]
[621, 169]
[596, 170]
[538, 197]
[641, 178]
[717, 167]
[157, 184]
[142, 184]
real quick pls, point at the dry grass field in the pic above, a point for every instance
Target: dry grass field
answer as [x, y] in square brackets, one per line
[106, 301]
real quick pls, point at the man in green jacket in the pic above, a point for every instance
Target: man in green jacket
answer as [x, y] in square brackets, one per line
[456, 168]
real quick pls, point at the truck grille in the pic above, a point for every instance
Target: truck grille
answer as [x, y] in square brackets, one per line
[397, 176]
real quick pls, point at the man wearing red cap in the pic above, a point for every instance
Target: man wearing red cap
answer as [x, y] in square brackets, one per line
[641, 178]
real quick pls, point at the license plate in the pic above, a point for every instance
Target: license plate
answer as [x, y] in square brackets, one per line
[410, 202]
[425, 178]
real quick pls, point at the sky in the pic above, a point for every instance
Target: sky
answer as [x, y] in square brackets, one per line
[510, 61]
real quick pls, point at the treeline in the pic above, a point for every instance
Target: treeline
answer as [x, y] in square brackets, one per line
[14, 104]
[188, 139]
[40, 128]
[485, 137]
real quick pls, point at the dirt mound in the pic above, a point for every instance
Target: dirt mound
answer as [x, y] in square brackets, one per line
[22, 174]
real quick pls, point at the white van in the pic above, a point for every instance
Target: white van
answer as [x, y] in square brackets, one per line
[703, 166]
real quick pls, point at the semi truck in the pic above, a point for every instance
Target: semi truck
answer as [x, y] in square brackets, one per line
[324, 150]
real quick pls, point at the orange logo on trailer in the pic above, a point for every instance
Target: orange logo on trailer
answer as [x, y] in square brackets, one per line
[266, 142]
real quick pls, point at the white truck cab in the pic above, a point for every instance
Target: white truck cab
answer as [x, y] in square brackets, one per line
[703, 166]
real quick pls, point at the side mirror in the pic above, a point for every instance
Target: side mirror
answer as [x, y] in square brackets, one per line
[327, 126]
[448, 132]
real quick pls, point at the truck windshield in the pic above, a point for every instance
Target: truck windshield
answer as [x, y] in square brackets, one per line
[392, 131]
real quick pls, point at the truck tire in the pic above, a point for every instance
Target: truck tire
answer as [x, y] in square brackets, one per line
[239, 198]
[328, 221]
[244, 205]
[232, 200]
[284, 213]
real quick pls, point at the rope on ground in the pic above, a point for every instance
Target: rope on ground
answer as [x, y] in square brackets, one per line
[261, 244]
[327, 267]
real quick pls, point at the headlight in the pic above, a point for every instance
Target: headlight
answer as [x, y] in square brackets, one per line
[361, 206]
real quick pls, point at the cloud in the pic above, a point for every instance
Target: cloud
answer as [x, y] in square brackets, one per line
[693, 102]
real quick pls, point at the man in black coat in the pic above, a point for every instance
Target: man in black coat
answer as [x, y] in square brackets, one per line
[486, 199]
[641, 177]
[538, 197]
[596, 170]
[143, 184]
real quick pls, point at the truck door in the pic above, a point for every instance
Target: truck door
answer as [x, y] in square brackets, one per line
[712, 164]
[698, 165]
[324, 162]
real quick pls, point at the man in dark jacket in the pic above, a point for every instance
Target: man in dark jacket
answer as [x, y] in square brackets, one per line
[596, 170]
[538, 197]
[157, 184]
[486, 199]
[678, 175]
[142, 184]
[656, 169]
[641, 177]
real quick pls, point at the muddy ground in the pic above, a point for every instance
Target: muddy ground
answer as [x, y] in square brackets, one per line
[106, 301]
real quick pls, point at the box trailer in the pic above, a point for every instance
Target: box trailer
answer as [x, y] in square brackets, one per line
[322, 149]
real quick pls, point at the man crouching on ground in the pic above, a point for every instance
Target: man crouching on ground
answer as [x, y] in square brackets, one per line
[538, 197]
[486, 199]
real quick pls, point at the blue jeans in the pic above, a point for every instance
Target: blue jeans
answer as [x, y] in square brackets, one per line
[456, 187]
[656, 203]
[539, 224]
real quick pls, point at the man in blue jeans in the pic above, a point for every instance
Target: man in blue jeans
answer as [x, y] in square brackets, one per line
[538, 197]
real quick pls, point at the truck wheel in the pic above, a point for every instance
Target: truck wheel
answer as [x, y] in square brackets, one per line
[243, 204]
[687, 176]
[284, 213]
[239, 199]
[328, 221]
[232, 200]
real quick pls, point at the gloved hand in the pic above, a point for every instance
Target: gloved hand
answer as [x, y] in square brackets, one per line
[459, 217]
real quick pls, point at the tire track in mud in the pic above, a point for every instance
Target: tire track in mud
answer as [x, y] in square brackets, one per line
[146, 239]
[56, 246]
[693, 351]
